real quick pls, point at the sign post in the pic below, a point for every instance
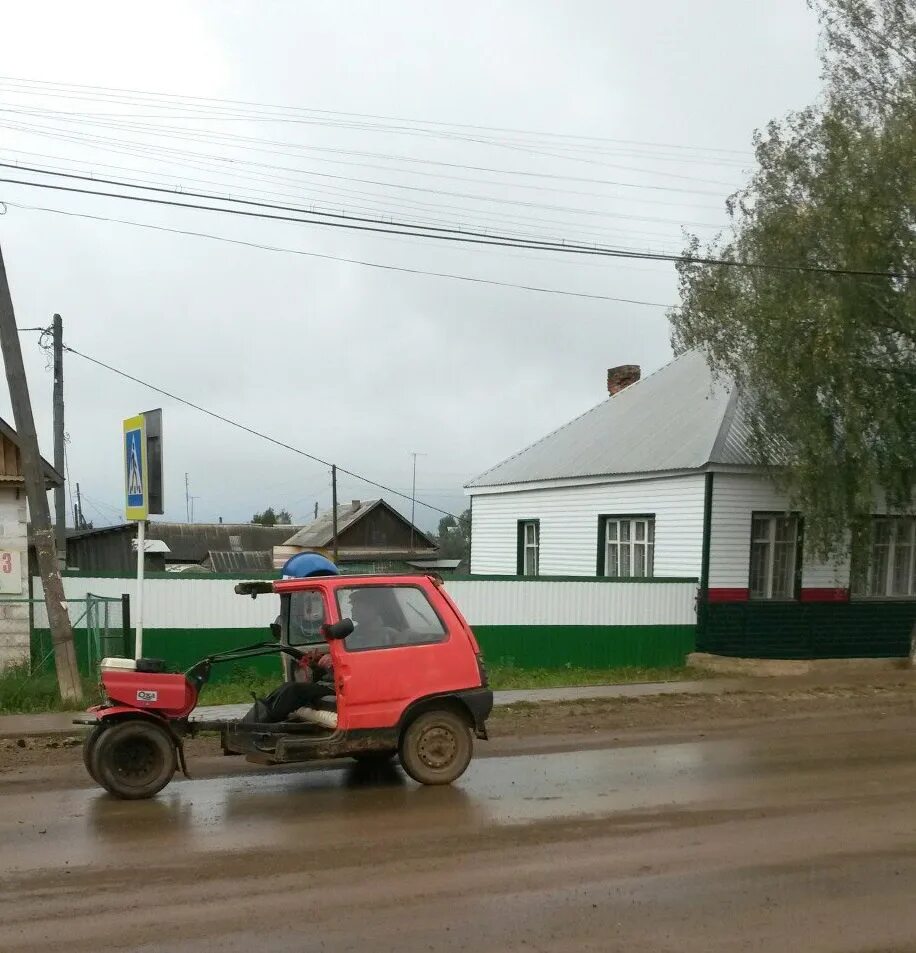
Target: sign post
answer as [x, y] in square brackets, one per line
[143, 492]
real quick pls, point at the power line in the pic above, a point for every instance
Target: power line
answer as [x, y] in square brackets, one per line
[299, 147]
[248, 430]
[366, 223]
[538, 206]
[360, 224]
[226, 107]
[373, 199]
[349, 261]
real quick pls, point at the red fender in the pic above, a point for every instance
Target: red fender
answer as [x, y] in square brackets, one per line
[115, 712]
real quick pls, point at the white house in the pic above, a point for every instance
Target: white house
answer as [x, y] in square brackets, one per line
[658, 481]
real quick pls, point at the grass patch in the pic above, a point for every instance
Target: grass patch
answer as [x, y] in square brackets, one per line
[237, 686]
[504, 677]
[22, 692]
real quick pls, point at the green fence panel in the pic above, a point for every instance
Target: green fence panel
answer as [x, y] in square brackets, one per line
[585, 646]
[812, 630]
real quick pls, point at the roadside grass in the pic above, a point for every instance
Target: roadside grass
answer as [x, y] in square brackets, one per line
[21, 692]
[24, 693]
[511, 677]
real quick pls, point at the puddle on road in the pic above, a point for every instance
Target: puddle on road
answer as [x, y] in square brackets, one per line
[346, 803]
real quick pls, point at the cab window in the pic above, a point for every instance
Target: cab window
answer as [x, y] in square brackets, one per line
[304, 617]
[389, 617]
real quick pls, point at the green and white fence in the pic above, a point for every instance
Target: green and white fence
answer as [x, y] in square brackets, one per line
[529, 623]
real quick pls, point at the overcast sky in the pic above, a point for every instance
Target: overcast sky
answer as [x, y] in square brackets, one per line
[355, 364]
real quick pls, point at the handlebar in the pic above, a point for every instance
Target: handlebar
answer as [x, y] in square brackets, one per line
[200, 671]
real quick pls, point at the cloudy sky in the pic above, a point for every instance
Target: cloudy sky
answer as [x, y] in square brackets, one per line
[602, 123]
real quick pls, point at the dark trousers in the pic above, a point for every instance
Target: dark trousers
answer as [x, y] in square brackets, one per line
[284, 700]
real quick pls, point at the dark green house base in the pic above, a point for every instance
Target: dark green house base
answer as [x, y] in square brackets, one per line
[813, 630]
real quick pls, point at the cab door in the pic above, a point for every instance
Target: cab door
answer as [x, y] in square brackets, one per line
[302, 614]
[401, 649]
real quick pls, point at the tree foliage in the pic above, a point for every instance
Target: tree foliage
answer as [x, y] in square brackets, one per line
[271, 518]
[454, 537]
[828, 361]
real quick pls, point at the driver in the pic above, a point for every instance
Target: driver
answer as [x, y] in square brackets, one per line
[371, 627]
[314, 680]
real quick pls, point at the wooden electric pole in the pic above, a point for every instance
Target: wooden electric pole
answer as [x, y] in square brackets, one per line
[60, 505]
[42, 535]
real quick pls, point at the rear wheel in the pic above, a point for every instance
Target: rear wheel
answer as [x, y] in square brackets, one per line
[89, 744]
[436, 747]
[134, 759]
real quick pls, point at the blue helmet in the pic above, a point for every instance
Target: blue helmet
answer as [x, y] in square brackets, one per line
[303, 565]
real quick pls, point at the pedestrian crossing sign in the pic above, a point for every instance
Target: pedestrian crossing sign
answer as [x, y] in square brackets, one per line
[136, 477]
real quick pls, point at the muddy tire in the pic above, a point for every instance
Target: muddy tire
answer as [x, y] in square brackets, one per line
[89, 746]
[436, 747]
[134, 759]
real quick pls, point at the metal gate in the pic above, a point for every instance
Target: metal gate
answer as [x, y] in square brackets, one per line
[101, 628]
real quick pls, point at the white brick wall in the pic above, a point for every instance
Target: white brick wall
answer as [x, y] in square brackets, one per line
[14, 617]
[569, 524]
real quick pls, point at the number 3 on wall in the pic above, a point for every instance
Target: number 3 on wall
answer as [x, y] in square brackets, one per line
[6, 563]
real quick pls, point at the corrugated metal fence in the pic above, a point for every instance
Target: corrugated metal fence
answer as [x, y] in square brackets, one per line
[522, 622]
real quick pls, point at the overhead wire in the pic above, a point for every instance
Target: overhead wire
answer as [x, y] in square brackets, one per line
[251, 430]
[249, 110]
[466, 237]
[524, 221]
[302, 147]
[350, 261]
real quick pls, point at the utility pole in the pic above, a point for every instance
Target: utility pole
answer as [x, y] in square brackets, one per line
[68, 678]
[334, 511]
[60, 505]
[316, 509]
[413, 497]
[187, 499]
[78, 520]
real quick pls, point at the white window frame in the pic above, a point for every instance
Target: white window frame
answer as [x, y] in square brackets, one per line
[630, 543]
[530, 547]
[902, 536]
[772, 520]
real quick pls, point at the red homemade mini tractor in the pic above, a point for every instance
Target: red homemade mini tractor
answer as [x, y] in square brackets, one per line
[407, 680]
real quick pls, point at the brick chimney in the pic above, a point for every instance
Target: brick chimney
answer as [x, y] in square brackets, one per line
[621, 376]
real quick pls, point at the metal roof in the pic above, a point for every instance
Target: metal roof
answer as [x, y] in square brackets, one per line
[191, 542]
[678, 418]
[229, 562]
[319, 534]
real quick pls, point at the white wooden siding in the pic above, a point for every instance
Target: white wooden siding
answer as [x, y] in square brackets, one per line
[569, 524]
[735, 497]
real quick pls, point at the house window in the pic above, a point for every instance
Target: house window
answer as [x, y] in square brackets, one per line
[529, 541]
[774, 556]
[891, 568]
[626, 546]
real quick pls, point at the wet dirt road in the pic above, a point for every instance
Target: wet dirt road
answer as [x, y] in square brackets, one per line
[780, 836]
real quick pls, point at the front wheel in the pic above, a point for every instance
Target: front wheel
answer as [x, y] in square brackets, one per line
[134, 759]
[436, 747]
[89, 744]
